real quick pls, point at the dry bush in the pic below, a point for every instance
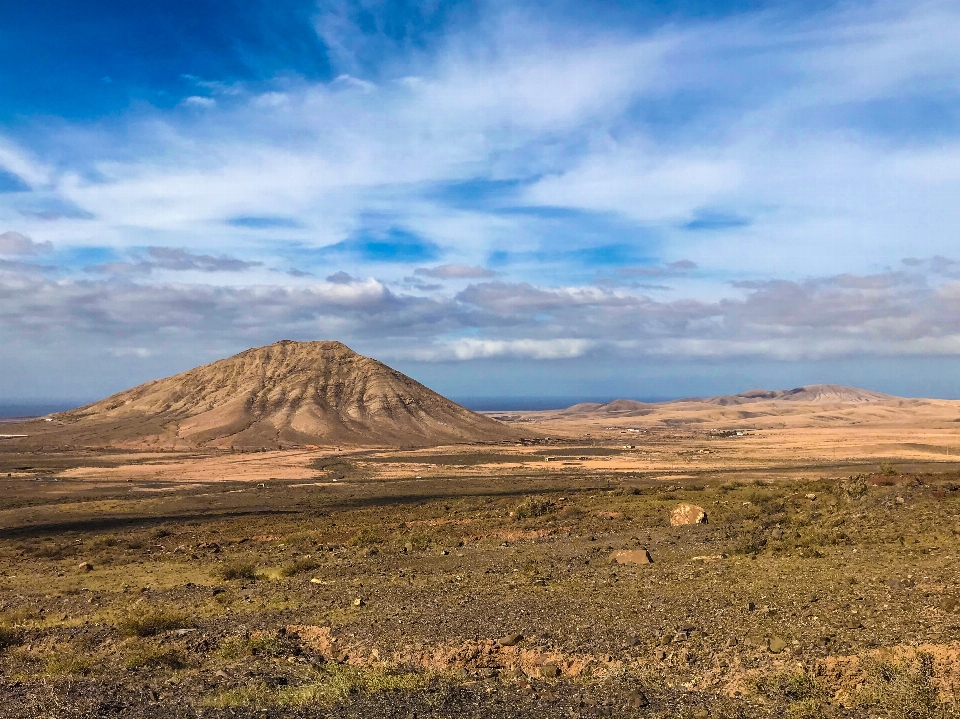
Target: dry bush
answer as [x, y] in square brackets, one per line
[300, 565]
[533, 507]
[903, 690]
[155, 657]
[148, 622]
[367, 537]
[237, 570]
[104, 542]
[9, 636]
[258, 644]
[63, 661]
[333, 683]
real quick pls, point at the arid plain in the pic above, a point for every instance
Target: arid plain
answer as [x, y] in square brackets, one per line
[499, 578]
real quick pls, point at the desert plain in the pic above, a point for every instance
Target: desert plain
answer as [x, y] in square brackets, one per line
[536, 575]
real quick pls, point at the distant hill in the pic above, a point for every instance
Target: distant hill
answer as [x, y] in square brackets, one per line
[815, 393]
[818, 393]
[284, 394]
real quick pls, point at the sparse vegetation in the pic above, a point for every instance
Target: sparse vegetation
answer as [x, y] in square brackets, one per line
[146, 622]
[808, 595]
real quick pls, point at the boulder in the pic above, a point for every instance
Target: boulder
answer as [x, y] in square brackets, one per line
[510, 640]
[631, 556]
[776, 645]
[550, 671]
[687, 514]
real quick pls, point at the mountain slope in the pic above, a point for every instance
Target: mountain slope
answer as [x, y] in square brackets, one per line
[284, 394]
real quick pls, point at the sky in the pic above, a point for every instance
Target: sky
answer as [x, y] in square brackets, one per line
[504, 200]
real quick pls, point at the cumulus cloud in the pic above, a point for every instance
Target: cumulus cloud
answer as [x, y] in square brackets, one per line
[454, 272]
[17, 245]
[341, 278]
[893, 313]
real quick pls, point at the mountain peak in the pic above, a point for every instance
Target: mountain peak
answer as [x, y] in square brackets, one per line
[284, 394]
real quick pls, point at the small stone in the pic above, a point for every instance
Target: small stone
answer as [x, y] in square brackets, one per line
[358, 602]
[510, 640]
[776, 645]
[751, 606]
[687, 514]
[631, 556]
[632, 641]
[899, 500]
[550, 671]
[811, 496]
[85, 567]
[950, 605]
[315, 580]
[637, 699]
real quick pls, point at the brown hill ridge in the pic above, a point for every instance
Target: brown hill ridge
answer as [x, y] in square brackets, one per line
[284, 394]
[817, 393]
[813, 394]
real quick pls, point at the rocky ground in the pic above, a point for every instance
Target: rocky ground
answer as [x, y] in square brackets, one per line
[834, 594]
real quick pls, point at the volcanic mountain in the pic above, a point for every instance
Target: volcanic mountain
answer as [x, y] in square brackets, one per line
[284, 394]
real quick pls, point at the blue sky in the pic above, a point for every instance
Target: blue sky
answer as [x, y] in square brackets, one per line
[555, 198]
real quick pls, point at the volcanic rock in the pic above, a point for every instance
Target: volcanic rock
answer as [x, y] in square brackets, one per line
[687, 514]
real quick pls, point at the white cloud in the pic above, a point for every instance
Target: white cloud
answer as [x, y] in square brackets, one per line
[470, 349]
[14, 244]
[20, 163]
[454, 272]
[198, 101]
